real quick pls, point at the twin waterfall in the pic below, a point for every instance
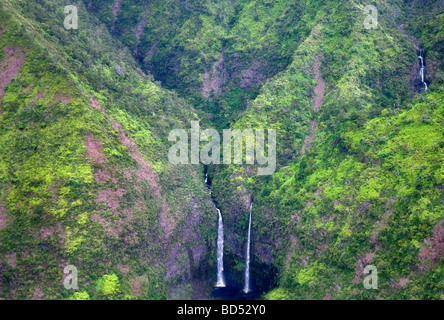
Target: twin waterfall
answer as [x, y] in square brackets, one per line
[247, 264]
[220, 282]
[422, 68]
[220, 230]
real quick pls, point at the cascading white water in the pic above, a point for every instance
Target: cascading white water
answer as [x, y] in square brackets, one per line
[422, 68]
[220, 281]
[220, 252]
[247, 264]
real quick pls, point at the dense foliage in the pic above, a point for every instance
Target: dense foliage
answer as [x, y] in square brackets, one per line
[84, 174]
[84, 123]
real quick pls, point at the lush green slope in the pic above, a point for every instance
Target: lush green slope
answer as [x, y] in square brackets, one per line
[215, 53]
[338, 96]
[85, 178]
[369, 190]
[84, 170]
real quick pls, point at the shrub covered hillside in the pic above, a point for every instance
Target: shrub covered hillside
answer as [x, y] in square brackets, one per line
[216, 53]
[84, 173]
[85, 116]
[360, 161]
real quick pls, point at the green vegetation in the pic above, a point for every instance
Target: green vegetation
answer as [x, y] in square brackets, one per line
[369, 191]
[89, 184]
[84, 123]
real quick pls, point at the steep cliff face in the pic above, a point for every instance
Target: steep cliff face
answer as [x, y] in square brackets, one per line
[84, 172]
[365, 192]
[85, 178]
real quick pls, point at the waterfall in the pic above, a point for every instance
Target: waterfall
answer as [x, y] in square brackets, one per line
[247, 264]
[220, 282]
[220, 252]
[207, 183]
[422, 68]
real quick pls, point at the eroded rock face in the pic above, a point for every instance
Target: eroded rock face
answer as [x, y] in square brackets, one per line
[189, 261]
[253, 76]
[215, 79]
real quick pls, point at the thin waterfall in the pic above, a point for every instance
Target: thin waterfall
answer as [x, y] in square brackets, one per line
[207, 183]
[422, 69]
[247, 264]
[220, 252]
[220, 282]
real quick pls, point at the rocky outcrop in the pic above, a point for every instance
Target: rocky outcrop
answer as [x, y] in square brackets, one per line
[214, 80]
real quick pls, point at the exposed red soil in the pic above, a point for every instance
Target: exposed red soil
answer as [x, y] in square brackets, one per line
[319, 191]
[307, 141]
[253, 76]
[214, 81]
[11, 259]
[319, 98]
[103, 175]
[116, 7]
[144, 173]
[173, 268]
[9, 66]
[51, 231]
[38, 294]
[328, 296]
[320, 86]
[293, 242]
[63, 99]
[432, 251]
[400, 284]
[96, 105]
[95, 149]
[136, 285]
[110, 197]
[130, 213]
[124, 269]
[3, 220]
